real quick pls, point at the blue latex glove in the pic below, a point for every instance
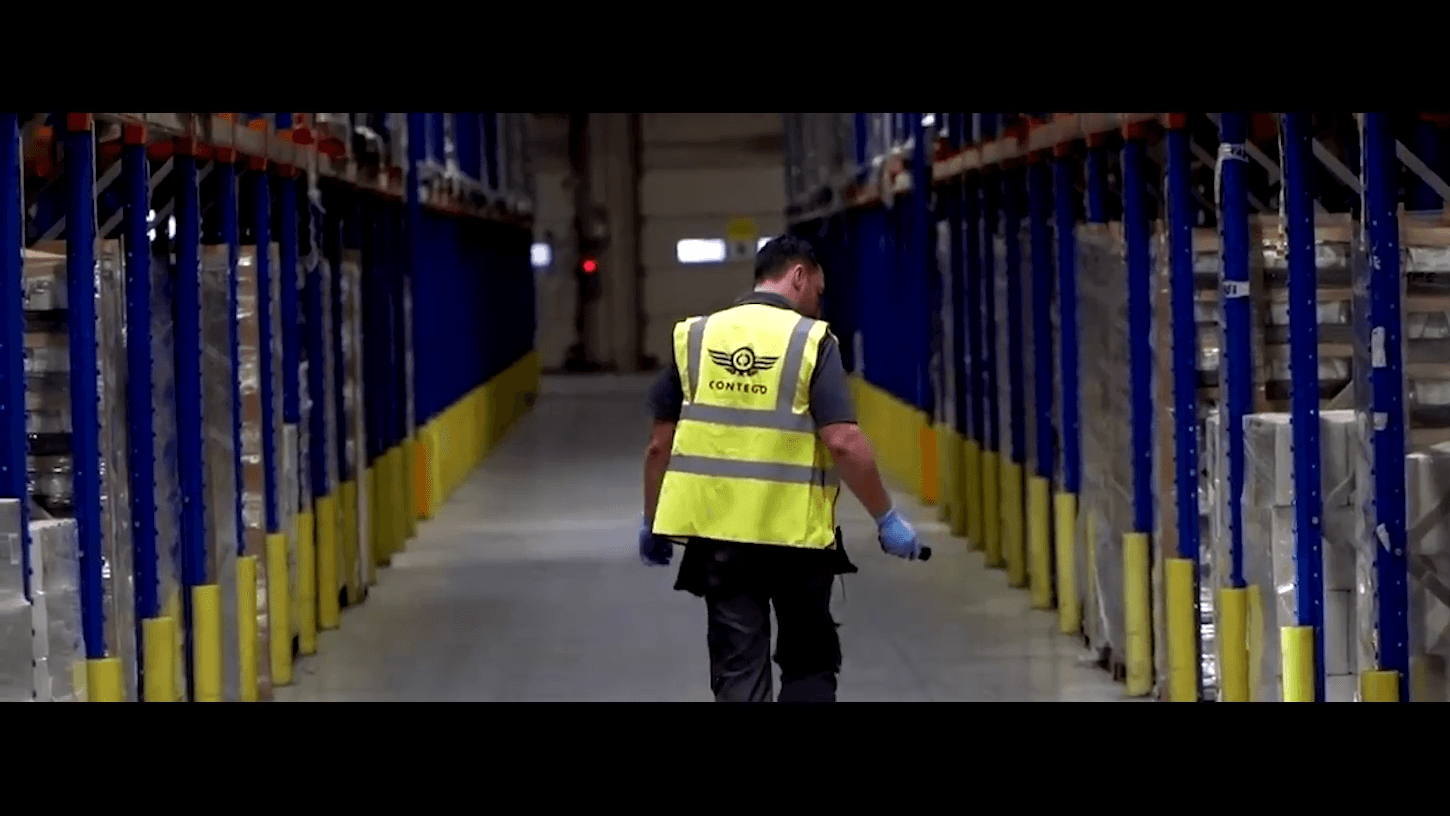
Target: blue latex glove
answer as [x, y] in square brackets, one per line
[897, 536]
[654, 551]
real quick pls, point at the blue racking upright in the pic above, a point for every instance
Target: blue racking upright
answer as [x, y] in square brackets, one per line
[208, 364]
[1272, 536]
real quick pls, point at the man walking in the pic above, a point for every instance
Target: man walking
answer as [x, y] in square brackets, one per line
[754, 430]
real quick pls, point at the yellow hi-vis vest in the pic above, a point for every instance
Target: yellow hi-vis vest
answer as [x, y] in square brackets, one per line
[746, 464]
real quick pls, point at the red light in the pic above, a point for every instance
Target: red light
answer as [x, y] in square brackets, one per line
[590, 266]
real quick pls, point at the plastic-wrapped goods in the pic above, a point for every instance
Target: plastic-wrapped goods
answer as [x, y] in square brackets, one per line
[1081, 574]
[304, 595]
[284, 467]
[1107, 489]
[1165, 454]
[50, 424]
[1270, 386]
[940, 367]
[357, 429]
[16, 655]
[118, 581]
[223, 538]
[1270, 545]
[1165, 543]
[166, 471]
[47, 381]
[1005, 417]
[1427, 485]
[449, 158]
[1425, 260]
[397, 127]
[349, 281]
[58, 646]
[1028, 344]
[254, 476]
[1214, 547]
[327, 281]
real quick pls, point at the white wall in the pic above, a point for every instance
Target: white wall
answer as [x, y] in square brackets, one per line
[700, 171]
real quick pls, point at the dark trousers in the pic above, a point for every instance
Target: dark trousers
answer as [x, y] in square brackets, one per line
[740, 583]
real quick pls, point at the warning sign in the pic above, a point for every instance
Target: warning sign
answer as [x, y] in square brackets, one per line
[740, 236]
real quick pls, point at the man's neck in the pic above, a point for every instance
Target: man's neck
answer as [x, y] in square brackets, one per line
[767, 289]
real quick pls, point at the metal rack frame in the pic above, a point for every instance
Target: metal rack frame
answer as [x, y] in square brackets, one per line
[974, 162]
[80, 177]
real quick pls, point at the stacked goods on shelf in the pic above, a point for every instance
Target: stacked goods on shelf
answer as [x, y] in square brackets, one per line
[1270, 548]
[223, 540]
[354, 445]
[1105, 505]
[942, 379]
[49, 426]
[1270, 388]
[284, 466]
[165, 467]
[1425, 260]
[1165, 535]
[1428, 492]
[254, 650]
[331, 571]
[1346, 492]
[1013, 474]
[59, 648]
[410, 491]
[16, 655]
[47, 382]
[304, 598]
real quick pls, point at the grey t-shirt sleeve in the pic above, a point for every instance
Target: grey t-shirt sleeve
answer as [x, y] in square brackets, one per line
[667, 395]
[830, 390]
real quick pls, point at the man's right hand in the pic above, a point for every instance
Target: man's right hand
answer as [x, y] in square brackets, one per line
[898, 538]
[654, 551]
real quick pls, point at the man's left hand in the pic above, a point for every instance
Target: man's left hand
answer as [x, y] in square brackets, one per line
[654, 551]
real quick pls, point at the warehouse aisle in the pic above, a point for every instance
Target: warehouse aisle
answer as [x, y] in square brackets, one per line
[526, 587]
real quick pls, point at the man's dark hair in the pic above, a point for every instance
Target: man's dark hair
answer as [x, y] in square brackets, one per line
[780, 254]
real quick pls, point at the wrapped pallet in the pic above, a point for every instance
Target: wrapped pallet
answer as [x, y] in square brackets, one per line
[331, 572]
[118, 562]
[1425, 262]
[1107, 490]
[1028, 346]
[224, 540]
[305, 607]
[16, 655]
[281, 572]
[1269, 389]
[50, 423]
[411, 484]
[1013, 355]
[58, 647]
[1427, 490]
[940, 372]
[367, 560]
[1205, 260]
[166, 469]
[253, 651]
[1270, 549]
[357, 553]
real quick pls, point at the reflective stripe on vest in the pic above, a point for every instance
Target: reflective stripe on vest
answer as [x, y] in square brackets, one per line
[782, 418]
[765, 471]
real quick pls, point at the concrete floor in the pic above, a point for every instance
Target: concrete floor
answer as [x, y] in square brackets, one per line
[527, 587]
